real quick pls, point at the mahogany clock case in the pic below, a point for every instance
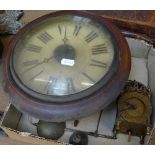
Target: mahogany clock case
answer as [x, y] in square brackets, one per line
[78, 107]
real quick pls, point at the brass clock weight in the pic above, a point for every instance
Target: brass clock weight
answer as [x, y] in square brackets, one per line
[66, 65]
[50, 130]
[134, 111]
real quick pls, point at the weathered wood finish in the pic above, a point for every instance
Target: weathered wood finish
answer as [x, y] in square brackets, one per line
[142, 21]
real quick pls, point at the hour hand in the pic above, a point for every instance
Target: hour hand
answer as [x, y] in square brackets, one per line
[46, 60]
[128, 107]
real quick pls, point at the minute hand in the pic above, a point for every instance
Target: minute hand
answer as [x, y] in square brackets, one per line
[46, 60]
[65, 39]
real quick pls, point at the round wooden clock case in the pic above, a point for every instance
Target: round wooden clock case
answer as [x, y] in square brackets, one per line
[73, 105]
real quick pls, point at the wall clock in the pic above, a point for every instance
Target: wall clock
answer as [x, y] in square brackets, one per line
[66, 65]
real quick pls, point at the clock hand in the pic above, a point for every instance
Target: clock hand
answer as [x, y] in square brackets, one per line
[46, 60]
[129, 106]
[65, 39]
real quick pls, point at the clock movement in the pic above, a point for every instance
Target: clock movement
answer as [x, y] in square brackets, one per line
[134, 111]
[66, 65]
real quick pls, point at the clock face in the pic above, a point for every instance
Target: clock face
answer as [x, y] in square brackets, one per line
[66, 65]
[63, 55]
[133, 106]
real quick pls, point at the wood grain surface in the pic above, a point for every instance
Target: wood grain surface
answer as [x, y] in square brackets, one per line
[142, 22]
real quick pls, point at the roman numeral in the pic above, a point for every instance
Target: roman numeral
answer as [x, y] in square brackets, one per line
[91, 36]
[88, 77]
[45, 37]
[99, 49]
[98, 64]
[33, 48]
[125, 114]
[76, 30]
[59, 28]
[29, 63]
[36, 75]
[71, 87]
[51, 81]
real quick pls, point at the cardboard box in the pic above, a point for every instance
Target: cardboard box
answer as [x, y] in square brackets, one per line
[19, 126]
[10, 124]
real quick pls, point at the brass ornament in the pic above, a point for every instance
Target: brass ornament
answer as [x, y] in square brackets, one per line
[50, 130]
[134, 111]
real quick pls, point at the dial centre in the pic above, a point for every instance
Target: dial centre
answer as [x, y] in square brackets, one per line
[65, 55]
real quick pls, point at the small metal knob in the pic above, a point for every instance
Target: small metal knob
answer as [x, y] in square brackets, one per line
[78, 138]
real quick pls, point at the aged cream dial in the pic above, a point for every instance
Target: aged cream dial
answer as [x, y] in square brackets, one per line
[63, 55]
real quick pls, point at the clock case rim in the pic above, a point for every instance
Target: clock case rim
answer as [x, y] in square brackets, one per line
[75, 108]
[70, 97]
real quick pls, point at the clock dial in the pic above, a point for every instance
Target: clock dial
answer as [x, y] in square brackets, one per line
[63, 55]
[132, 107]
[66, 65]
